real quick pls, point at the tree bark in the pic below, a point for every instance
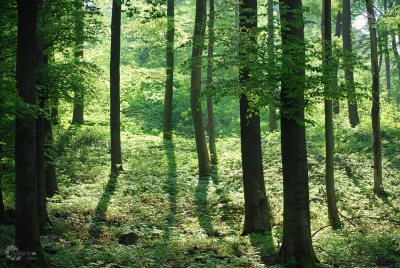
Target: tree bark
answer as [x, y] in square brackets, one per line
[210, 108]
[195, 93]
[27, 226]
[387, 57]
[257, 216]
[394, 48]
[297, 246]
[329, 88]
[40, 141]
[169, 84]
[50, 172]
[115, 110]
[375, 112]
[338, 33]
[77, 115]
[348, 64]
[271, 59]
[3, 216]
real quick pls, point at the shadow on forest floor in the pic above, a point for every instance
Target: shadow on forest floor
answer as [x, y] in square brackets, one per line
[170, 187]
[102, 206]
[264, 244]
[202, 205]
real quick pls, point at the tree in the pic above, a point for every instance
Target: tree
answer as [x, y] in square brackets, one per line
[27, 227]
[257, 218]
[195, 93]
[329, 135]
[210, 108]
[77, 115]
[386, 52]
[271, 60]
[375, 112]
[169, 84]
[348, 64]
[115, 113]
[297, 245]
[338, 33]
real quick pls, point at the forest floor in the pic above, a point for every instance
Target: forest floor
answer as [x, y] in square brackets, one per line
[181, 221]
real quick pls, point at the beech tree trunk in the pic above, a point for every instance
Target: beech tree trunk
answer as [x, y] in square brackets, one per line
[257, 216]
[348, 64]
[27, 226]
[169, 84]
[77, 116]
[195, 93]
[210, 108]
[271, 59]
[338, 33]
[115, 109]
[375, 112]
[297, 249]
[329, 88]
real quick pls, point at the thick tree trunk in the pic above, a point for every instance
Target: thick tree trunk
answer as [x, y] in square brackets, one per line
[348, 64]
[210, 108]
[329, 88]
[77, 115]
[169, 84]
[271, 59]
[375, 112]
[195, 93]
[27, 227]
[338, 33]
[115, 110]
[257, 216]
[297, 246]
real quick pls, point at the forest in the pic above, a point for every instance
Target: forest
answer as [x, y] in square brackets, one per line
[199, 133]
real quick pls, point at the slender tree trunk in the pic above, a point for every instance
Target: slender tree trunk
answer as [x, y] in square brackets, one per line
[169, 84]
[387, 58]
[115, 109]
[195, 93]
[257, 216]
[210, 108]
[27, 226]
[271, 60]
[297, 246]
[348, 64]
[329, 135]
[77, 116]
[396, 54]
[54, 112]
[375, 113]
[3, 216]
[50, 172]
[40, 140]
[338, 33]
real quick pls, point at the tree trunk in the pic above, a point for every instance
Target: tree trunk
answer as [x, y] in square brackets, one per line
[387, 58]
[338, 33]
[77, 116]
[257, 216]
[348, 64]
[40, 141]
[50, 172]
[271, 60]
[3, 216]
[55, 120]
[27, 227]
[169, 84]
[115, 110]
[195, 93]
[394, 48]
[329, 86]
[297, 245]
[210, 108]
[375, 112]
